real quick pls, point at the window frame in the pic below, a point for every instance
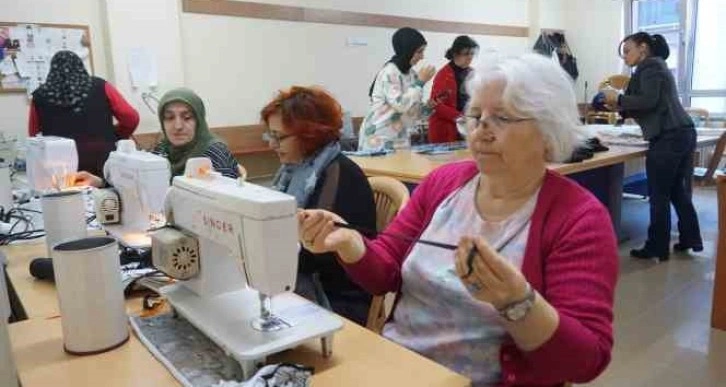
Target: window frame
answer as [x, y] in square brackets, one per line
[687, 48]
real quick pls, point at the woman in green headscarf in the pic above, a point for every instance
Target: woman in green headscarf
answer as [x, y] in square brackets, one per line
[183, 121]
[186, 134]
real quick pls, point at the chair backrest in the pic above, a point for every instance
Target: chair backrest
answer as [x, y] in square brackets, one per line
[390, 196]
[718, 309]
[715, 158]
[617, 81]
[701, 117]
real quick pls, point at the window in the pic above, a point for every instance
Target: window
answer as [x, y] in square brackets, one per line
[708, 82]
[658, 13]
[694, 29]
[662, 17]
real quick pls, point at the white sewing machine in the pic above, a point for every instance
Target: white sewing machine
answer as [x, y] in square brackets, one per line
[51, 162]
[8, 375]
[237, 261]
[141, 180]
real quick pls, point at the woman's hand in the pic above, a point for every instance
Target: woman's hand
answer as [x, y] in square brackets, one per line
[242, 172]
[611, 99]
[426, 73]
[85, 179]
[318, 234]
[492, 278]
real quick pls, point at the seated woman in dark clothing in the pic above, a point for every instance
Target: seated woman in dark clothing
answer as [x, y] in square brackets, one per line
[73, 104]
[186, 135]
[304, 127]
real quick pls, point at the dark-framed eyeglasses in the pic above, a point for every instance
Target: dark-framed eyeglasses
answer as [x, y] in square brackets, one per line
[467, 123]
[275, 137]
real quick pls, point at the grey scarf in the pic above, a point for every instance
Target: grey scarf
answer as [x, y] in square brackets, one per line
[299, 180]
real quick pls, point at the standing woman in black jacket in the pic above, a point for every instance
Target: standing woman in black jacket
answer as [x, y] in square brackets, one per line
[652, 100]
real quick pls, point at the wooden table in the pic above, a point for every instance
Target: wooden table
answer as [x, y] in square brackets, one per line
[410, 167]
[360, 357]
[602, 174]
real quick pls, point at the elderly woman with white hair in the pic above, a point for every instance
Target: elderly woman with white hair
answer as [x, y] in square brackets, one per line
[527, 297]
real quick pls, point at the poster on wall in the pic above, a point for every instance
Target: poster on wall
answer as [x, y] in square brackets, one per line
[26, 51]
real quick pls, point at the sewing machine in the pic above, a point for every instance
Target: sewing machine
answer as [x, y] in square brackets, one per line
[51, 163]
[234, 248]
[8, 376]
[136, 202]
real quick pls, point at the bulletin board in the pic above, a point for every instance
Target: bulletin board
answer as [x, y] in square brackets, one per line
[27, 48]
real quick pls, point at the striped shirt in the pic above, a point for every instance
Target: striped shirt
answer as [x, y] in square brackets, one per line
[222, 160]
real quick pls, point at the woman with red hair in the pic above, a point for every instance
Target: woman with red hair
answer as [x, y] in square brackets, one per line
[304, 126]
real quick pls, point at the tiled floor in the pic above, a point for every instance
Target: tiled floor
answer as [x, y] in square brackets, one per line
[662, 312]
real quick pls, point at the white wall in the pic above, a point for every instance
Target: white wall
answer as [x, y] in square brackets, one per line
[14, 107]
[152, 25]
[594, 30]
[508, 12]
[237, 64]
[546, 14]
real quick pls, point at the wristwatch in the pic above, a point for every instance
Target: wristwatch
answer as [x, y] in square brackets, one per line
[517, 310]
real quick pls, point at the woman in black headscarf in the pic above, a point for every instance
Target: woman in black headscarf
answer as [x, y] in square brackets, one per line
[73, 104]
[397, 94]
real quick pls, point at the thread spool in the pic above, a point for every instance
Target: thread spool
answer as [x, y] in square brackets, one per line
[6, 188]
[8, 375]
[90, 295]
[64, 217]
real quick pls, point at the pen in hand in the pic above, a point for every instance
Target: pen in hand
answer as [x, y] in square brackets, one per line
[373, 233]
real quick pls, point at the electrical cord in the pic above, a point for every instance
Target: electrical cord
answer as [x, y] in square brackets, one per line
[21, 236]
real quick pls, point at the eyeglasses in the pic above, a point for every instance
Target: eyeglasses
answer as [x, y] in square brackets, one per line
[466, 124]
[275, 137]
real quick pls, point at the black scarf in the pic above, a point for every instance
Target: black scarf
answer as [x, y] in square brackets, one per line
[405, 43]
[68, 83]
[460, 74]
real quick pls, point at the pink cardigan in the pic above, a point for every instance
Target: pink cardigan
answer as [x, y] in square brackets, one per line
[571, 259]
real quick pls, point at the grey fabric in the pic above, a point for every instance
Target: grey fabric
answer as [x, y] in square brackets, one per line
[191, 353]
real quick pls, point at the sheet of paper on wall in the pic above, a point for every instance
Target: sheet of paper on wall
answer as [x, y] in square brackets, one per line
[30, 85]
[7, 67]
[41, 40]
[73, 40]
[53, 39]
[18, 33]
[33, 47]
[83, 53]
[22, 65]
[39, 71]
[142, 68]
[12, 82]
